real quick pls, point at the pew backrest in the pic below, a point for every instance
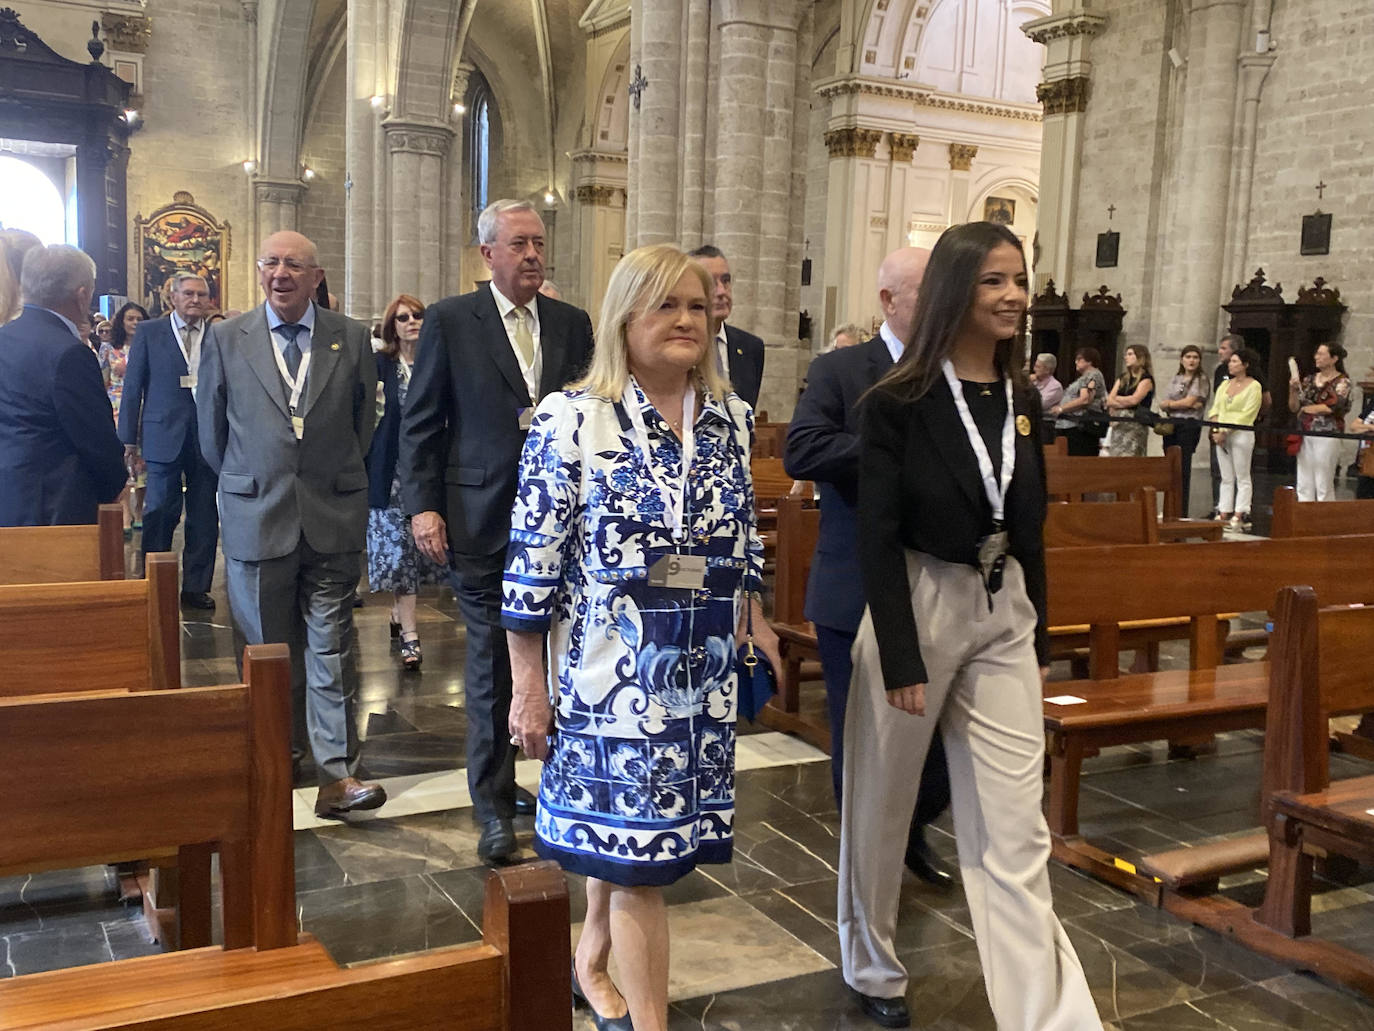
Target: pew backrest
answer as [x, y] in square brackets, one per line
[1069, 524]
[799, 526]
[66, 638]
[1294, 518]
[770, 481]
[1070, 477]
[64, 554]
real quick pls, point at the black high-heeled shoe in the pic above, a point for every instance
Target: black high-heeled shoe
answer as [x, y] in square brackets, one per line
[602, 1023]
[411, 655]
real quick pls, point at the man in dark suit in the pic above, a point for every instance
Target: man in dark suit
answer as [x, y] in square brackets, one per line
[286, 400]
[823, 445]
[738, 354]
[485, 359]
[59, 456]
[158, 412]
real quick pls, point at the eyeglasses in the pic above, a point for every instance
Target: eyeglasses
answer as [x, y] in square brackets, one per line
[290, 264]
[405, 316]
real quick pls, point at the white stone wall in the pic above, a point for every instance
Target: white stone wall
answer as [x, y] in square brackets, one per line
[324, 204]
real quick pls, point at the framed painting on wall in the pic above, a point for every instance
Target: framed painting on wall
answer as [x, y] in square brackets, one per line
[999, 210]
[182, 237]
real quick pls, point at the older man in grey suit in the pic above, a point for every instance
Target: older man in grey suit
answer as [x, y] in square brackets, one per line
[286, 403]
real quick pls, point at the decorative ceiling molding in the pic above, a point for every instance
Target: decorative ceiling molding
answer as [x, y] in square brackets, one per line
[1062, 26]
[603, 16]
[923, 96]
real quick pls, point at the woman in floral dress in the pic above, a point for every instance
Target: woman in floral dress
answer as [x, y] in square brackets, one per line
[114, 357]
[639, 577]
[393, 562]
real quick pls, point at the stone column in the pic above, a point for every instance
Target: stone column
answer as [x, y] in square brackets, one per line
[695, 121]
[655, 120]
[277, 202]
[1254, 69]
[854, 247]
[1064, 94]
[901, 189]
[961, 157]
[458, 230]
[601, 232]
[1214, 34]
[416, 199]
[361, 132]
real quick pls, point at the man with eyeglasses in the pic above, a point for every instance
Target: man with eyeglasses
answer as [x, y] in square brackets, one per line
[286, 398]
[158, 414]
[484, 360]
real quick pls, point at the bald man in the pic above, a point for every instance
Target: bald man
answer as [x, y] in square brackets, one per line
[286, 402]
[823, 445]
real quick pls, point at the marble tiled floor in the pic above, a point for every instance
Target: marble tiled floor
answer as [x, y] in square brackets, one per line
[754, 944]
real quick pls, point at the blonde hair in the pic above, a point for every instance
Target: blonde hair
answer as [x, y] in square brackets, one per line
[14, 244]
[639, 283]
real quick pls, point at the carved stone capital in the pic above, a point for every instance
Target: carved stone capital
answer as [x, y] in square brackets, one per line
[1062, 26]
[278, 191]
[461, 75]
[1064, 96]
[902, 146]
[853, 142]
[127, 32]
[417, 137]
[250, 11]
[961, 156]
[598, 194]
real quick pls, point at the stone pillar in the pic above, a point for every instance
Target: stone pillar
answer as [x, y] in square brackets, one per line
[277, 202]
[1214, 34]
[416, 198]
[901, 189]
[361, 132]
[458, 230]
[961, 157]
[1254, 69]
[695, 121]
[655, 126]
[601, 231]
[1064, 94]
[856, 192]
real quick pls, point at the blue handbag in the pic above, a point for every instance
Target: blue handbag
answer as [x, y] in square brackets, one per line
[758, 681]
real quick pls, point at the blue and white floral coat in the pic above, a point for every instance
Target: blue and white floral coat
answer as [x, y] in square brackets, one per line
[639, 786]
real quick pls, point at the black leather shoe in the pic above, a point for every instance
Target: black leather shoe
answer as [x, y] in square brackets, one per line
[602, 1023]
[925, 864]
[197, 600]
[497, 843]
[524, 802]
[887, 1012]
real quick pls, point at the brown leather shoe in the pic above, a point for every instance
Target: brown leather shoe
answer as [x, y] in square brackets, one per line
[347, 796]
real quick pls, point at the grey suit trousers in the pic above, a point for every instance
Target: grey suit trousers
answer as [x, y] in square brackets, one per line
[984, 690]
[305, 600]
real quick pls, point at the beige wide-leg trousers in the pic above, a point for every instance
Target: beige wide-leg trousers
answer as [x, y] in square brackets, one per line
[984, 688]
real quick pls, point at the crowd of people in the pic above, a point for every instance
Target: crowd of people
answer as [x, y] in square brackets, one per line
[591, 506]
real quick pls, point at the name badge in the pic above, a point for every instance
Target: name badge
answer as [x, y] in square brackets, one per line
[298, 426]
[188, 381]
[683, 572]
[526, 417]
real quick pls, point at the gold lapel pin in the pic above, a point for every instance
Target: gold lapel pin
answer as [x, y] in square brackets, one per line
[1023, 425]
[334, 346]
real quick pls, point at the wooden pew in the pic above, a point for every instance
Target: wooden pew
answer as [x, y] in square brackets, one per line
[1073, 525]
[1070, 477]
[768, 439]
[227, 785]
[799, 523]
[64, 554]
[1319, 669]
[1192, 581]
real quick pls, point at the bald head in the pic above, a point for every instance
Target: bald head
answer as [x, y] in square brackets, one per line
[288, 268]
[899, 284]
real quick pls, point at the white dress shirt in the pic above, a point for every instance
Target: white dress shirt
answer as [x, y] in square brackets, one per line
[894, 346]
[530, 372]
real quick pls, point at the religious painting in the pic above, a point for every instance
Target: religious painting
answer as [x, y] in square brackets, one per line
[182, 237]
[1107, 246]
[1316, 234]
[999, 211]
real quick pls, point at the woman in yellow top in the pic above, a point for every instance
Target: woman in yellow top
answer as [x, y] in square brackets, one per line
[1238, 402]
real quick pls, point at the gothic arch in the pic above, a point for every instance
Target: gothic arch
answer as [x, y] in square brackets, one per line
[612, 127]
[287, 26]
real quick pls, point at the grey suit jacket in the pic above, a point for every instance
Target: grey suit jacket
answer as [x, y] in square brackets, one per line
[272, 487]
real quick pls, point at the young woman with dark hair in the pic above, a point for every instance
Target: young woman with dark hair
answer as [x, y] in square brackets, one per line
[1320, 401]
[1238, 402]
[1182, 405]
[951, 512]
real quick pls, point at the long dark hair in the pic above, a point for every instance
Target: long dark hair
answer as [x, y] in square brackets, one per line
[1196, 374]
[117, 337]
[947, 292]
[1337, 352]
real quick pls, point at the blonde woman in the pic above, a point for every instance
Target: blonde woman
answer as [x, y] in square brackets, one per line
[634, 548]
[1133, 391]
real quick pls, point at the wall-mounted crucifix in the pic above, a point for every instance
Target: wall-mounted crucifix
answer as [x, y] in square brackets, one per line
[1316, 228]
[1111, 211]
[638, 84]
[1108, 243]
[1321, 188]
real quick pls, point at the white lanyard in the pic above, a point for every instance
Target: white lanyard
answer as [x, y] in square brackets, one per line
[298, 386]
[675, 495]
[997, 493]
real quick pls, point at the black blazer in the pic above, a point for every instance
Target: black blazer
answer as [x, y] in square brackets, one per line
[59, 456]
[386, 438]
[823, 445]
[745, 353]
[460, 436]
[919, 489]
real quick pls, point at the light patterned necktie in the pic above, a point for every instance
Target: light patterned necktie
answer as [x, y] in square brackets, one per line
[524, 340]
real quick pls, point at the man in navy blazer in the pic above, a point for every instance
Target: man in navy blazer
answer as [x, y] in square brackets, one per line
[738, 354]
[59, 456]
[484, 360]
[158, 412]
[823, 445]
